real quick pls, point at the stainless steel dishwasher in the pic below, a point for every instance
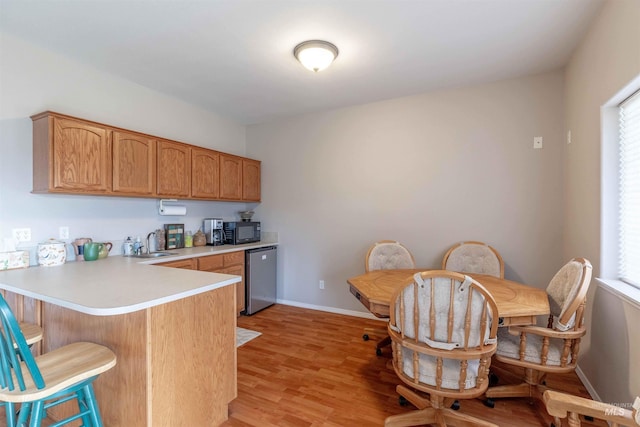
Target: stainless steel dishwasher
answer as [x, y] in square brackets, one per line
[260, 278]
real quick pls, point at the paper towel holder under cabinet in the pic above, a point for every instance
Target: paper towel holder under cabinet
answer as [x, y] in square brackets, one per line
[171, 209]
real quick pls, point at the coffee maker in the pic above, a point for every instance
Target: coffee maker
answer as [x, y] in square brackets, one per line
[212, 228]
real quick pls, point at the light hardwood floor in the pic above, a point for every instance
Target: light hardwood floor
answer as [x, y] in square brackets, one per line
[312, 368]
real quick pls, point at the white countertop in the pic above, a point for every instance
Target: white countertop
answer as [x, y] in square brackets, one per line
[118, 285]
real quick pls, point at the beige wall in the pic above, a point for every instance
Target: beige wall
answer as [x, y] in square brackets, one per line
[605, 62]
[427, 170]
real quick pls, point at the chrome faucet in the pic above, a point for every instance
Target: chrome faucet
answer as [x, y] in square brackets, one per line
[153, 233]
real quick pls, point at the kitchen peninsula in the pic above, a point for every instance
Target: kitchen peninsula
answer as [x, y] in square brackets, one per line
[173, 331]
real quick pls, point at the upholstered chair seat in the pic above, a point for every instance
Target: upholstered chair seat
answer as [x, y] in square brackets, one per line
[509, 346]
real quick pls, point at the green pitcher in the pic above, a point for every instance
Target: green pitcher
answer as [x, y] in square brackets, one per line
[92, 250]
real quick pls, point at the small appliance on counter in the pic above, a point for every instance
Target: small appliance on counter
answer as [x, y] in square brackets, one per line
[213, 231]
[239, 232]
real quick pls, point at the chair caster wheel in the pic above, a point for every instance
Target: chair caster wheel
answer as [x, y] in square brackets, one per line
[455, 405]
[365, 337]
[402, 401]
[378, 352]
[493, 379]
[490, 403]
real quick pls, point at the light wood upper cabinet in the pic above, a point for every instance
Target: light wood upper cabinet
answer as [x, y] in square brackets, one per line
[205, 173]
[76, 156]
[174, 169]
[230, 177]
[250, 180]
[134, 164]
[70, 155]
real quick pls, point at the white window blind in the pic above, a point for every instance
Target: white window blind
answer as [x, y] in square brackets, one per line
[629, 179]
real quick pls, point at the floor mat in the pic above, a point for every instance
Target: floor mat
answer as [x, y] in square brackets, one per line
[245, 335]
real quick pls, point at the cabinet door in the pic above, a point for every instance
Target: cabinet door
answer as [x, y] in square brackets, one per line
[230, 177]
[250, 180]
[80, 157]
[205, 173]
[134, 164]
[188, 264]
[210, 263]
[237, 270]
[174, 169]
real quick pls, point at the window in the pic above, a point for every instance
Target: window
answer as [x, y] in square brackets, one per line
[620, 196]
[629, 191]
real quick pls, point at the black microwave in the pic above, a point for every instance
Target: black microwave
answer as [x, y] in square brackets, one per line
[239, 232]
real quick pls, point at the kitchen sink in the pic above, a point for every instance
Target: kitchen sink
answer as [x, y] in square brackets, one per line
[154, 255]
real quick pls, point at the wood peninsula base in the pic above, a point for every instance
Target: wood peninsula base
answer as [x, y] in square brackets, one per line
[176, 361]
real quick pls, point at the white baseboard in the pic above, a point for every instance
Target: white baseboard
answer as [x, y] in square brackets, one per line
[330, 309]
[585, 381]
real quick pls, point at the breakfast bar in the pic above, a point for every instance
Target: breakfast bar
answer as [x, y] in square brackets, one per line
[173, 332]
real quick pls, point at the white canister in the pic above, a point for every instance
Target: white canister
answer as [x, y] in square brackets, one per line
[51, 253]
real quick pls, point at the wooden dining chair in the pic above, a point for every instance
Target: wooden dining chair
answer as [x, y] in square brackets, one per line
[386, 255]
[562, 405]
[474, 257]
[39, 383]
[443, 328]
[554, 349]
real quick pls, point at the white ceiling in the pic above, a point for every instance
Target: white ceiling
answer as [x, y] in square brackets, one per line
[234, 57]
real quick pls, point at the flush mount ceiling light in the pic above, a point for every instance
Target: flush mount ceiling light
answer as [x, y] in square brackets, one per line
[315, 55]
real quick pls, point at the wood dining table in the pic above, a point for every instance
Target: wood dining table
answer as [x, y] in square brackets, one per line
[518, 304]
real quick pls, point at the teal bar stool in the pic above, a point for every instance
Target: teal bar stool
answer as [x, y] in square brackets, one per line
[39, 383]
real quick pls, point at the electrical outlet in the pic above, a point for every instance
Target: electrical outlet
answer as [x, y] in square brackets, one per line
[321, 284]
[537, 142]
[22, 234]
[63, 232]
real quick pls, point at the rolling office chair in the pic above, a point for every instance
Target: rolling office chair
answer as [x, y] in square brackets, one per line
[386, 255]
[443, 330]
[38, 383]
[553, 349]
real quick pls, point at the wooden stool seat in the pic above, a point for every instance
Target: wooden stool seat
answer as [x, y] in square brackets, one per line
[62, 368]
[32, 332]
